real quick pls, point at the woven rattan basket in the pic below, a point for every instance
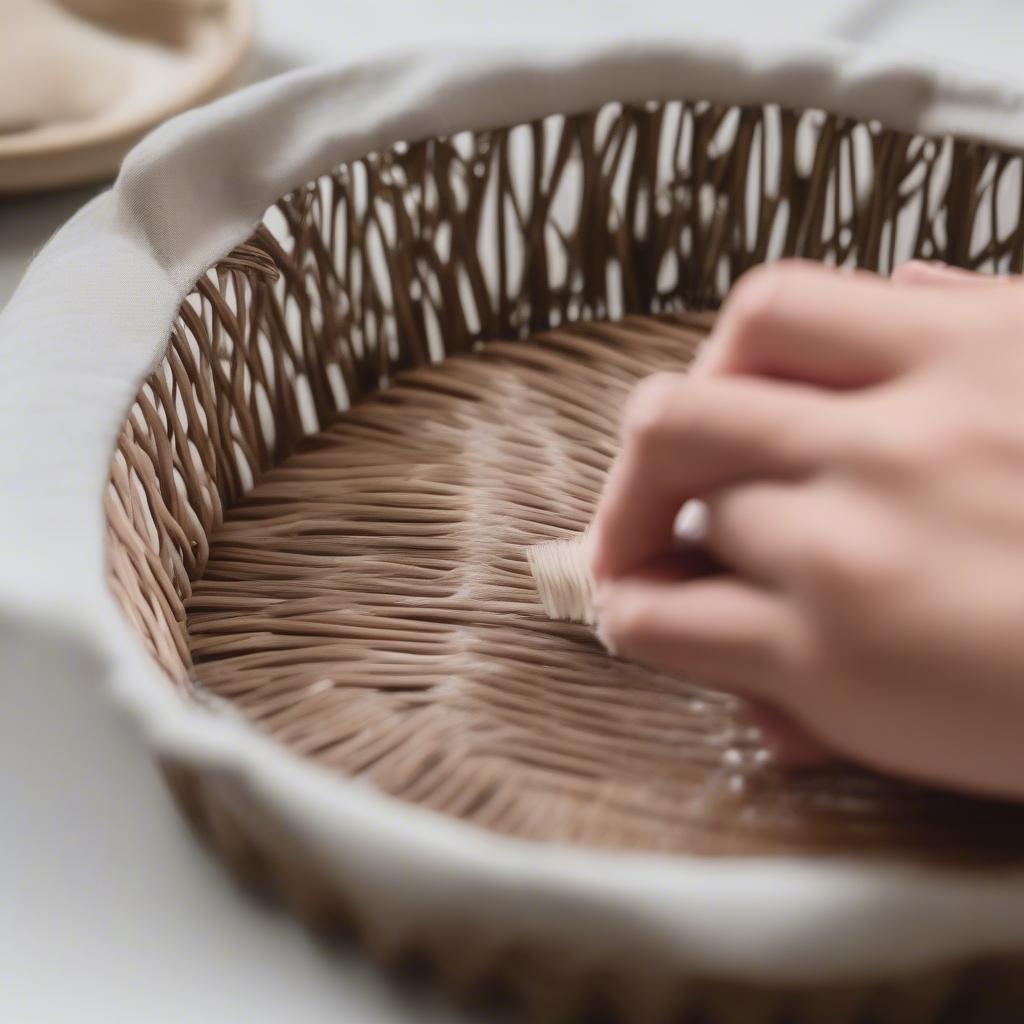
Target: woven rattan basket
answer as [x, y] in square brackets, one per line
[369, 408]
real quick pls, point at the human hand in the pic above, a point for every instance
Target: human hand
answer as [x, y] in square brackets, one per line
[859, 444]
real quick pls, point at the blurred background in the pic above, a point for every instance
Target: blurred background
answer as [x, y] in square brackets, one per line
[109, 910]
[185, 49]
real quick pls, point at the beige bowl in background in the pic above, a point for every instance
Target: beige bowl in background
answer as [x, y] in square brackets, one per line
[180, 53]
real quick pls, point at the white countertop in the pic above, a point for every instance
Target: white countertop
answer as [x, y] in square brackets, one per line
[109, 909]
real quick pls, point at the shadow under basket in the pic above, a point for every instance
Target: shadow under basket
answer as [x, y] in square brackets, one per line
[322, 500]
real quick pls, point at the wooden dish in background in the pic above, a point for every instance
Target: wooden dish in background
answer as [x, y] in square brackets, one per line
[207, 43]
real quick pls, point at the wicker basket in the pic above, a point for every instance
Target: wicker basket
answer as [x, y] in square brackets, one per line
[363, 333]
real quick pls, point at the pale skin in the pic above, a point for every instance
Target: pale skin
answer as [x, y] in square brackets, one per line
[859, 443]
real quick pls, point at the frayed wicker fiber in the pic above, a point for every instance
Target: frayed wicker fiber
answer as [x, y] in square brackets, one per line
[317, 520]
[563, 580]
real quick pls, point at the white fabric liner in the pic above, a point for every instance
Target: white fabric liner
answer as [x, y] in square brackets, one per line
[92, 317]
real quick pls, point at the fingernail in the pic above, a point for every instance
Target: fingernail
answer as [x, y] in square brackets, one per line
[690, 528]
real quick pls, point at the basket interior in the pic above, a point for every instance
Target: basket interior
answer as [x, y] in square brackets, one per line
[271, 543]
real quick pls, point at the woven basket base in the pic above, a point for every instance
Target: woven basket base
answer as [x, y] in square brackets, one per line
[369, 604]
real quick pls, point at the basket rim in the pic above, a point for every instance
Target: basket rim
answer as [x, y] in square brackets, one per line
[777, 919]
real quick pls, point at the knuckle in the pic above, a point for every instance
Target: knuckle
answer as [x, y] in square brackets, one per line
[803, 656]
[896, 450]
[651, 406]
[941, 442]
[755, 300]
[850, 566]
[622, 623]
[911, 272]
[775, 654]
[949, 441]
[915, 444]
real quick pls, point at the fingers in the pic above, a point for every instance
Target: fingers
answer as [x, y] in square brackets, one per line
[804, 322]
[760, 530]
[717, 629]
[682, 438]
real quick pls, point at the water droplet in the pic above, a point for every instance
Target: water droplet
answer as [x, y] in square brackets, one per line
[733, 758]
